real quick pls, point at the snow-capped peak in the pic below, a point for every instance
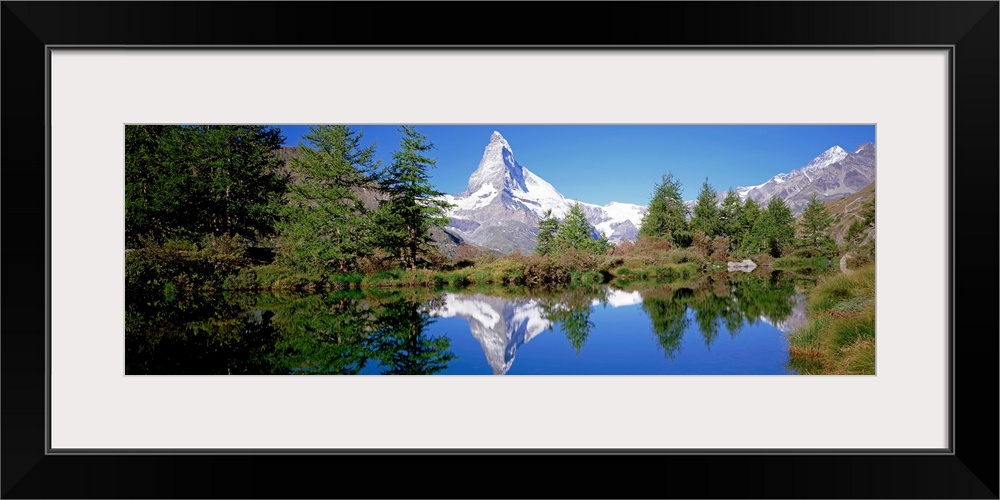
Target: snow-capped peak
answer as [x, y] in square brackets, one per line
[497, 168]
[829, 157]
[504, 201]
[496, 137]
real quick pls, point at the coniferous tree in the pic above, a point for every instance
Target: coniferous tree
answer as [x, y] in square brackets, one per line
[577, 234]
[149, 206]
[667, 216]
[413, 205]
[729, 214]
[814, 230]
[705, 215]
[746, 241]
[781, 234]
[201, 180]
[326, 224]
[757, 239]
[547, 229]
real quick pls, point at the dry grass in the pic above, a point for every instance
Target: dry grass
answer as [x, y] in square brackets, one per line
[839, 337]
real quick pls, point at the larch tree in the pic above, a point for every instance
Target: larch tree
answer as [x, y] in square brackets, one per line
[575, 233]
[729, 214]
[547, 229]
[326, 225]
[705, 215]
[814, 230]
[782, 230]
[666, 216]
[413, 205]
[191, 181]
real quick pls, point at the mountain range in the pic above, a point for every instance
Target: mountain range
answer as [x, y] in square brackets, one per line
[832, 175]
[504, 201]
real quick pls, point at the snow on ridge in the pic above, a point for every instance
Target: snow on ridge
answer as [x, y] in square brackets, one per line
[825, 159]
[620, 298]
[465, 307]
[530, 314]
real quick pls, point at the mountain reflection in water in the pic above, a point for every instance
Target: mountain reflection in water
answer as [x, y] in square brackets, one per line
[725, 324]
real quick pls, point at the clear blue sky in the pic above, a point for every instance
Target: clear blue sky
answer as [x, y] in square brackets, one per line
[604, 163]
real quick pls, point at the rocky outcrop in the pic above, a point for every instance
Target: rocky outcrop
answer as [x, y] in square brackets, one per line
[746, 266]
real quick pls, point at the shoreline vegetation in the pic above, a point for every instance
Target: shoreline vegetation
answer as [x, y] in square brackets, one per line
[214, 209]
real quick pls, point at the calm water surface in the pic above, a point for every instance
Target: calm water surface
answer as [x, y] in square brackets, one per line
[725, 324]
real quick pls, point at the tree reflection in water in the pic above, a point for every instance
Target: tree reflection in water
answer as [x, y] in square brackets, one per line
[356, 332]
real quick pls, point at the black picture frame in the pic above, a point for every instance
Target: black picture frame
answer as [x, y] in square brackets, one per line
[969, 470]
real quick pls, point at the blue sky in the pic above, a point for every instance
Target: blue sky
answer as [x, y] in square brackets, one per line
[604, 163]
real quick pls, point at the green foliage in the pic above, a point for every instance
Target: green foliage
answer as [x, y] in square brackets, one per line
[669, 319]
[194, 180]
[729, 214]
[548, 227]
[814, 230]
[326, 228]
[180, 266]
[412, 205]
[667, 216]
[399, 342]
[575, 233]
[748, 240]
[781, 227]
[706, 214]
[571, 312]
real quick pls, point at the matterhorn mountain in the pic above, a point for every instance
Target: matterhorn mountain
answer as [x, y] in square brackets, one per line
[504, 201]
[830, 176]
[502, 326]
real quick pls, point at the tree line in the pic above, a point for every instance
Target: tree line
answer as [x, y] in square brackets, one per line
[200, 183]
[742, 228]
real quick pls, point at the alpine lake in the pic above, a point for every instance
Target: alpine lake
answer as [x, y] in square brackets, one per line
[724, 324]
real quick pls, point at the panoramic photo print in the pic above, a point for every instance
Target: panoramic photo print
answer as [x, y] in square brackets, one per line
[400, 249]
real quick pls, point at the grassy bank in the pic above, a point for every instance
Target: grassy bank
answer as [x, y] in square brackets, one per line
[183, 268]
[839, 336]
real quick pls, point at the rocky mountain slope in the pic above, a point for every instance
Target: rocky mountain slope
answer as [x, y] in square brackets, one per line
[504, 201]
[847, 210]
[832, 175]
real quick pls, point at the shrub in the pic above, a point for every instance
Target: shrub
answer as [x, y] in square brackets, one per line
[701, 244]
[682, 255]
[465, 252]
[245, 279]
[720, 249]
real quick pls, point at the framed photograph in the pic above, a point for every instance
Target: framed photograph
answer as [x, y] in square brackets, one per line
[86, 389]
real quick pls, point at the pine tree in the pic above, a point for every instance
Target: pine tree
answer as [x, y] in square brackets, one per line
[413, 205]
[746, 240]
[729, 214]
[326, 223]
[547, 229]
[575, 233]
[814, 230]
[705, 217]
[667, 216]
[149, 210]
[782, 230]
[201, 180]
